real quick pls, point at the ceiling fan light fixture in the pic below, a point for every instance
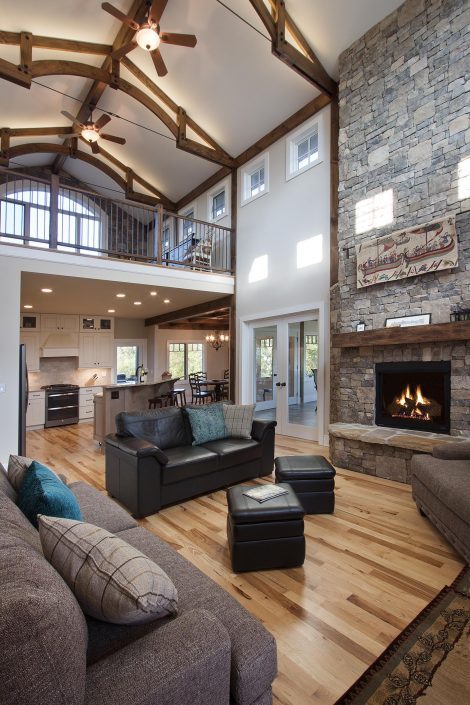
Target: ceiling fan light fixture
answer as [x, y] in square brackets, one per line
[90, 134]
[148, 38]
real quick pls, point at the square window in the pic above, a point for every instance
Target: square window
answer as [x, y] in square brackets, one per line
[254, 179]
[218, 205]
[304, 148]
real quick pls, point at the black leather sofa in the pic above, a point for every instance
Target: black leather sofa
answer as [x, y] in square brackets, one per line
[151, 462]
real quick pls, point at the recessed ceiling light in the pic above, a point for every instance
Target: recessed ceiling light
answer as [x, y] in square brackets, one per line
[27, 306]
[121, 296]
[137, 303]
[46, 291]
[166, 301]
[153, 293]
[111, 310]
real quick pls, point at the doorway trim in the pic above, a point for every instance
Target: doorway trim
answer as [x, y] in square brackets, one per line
[245, 368]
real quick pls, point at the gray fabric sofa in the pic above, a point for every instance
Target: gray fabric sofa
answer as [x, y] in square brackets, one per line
[212, 653]
[441, 489]
[151, 462]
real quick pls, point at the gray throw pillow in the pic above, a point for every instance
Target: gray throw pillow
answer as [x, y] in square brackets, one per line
[111, 579]
[239, 420]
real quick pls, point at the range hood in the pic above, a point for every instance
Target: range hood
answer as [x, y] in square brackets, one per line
[60, 345]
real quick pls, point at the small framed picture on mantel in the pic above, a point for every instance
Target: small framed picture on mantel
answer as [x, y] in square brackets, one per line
[422, 319]
[360, 326]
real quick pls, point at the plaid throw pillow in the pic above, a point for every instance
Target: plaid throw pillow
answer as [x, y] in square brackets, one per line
[17, 466]
[111, 580]
[239, 419]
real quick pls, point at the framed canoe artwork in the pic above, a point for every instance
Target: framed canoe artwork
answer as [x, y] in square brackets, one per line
[407, 253]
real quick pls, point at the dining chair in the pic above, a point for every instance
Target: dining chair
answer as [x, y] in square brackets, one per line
[198, 395]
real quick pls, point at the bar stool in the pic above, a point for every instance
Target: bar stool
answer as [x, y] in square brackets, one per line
[177, 396]
[157, 402]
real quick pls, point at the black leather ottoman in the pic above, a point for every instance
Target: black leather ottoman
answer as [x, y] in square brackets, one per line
[312, 478]
[267, 535]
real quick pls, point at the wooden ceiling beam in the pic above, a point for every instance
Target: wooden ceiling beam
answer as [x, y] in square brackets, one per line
[187, 325]
[303, 60]
[73, 45]
[208, 307]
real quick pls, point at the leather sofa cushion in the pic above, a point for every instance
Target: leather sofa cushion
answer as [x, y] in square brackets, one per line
[165, 428]
[234, 451]
[187, 462]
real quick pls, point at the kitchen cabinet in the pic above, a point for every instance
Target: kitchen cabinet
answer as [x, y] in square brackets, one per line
[85, 400]
[36, 410]
[96, 350]
[65, 323]
[30, 321]
[103, 324]
[31, 340]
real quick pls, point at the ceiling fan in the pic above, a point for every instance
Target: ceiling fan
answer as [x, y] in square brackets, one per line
[91, 131]
[148, 35]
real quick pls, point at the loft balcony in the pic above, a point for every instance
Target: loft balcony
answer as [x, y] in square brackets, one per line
[59, 217]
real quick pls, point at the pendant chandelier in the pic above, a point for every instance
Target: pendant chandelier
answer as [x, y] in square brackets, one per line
[216, 339]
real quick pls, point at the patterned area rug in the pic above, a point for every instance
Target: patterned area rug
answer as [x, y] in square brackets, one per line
[428, 662]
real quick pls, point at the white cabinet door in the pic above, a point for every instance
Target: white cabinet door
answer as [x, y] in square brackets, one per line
[87, 350]
[66, 323]
[36, 412]
[96, 350]
[30, 321]
[104, 349]
[31, 340]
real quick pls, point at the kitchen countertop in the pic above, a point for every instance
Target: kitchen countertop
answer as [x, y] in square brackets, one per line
[129, 385]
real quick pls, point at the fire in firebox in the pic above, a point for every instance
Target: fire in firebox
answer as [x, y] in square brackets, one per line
[414, 406]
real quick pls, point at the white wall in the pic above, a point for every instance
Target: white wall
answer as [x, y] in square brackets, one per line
[273, 225]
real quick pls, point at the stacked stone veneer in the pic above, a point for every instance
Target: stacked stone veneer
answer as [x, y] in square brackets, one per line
[404, 125]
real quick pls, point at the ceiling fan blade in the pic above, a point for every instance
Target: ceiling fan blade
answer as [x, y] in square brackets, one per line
[120, 15]
[156, 11]
[71, 117]
[102, 121]
[94, 147]
[184, 40]
[158, 62]
[113, 138]
[125, 49]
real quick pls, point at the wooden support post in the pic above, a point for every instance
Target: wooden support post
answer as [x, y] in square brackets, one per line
[26, 51]
[302, 362]
[181, 138]
[233, 308]
[334, 185]
[115, 74]
[5, 146]
[129, 183]
[54, 212]
[160, 234]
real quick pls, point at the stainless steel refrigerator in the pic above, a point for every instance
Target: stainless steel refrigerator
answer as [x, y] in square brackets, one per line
[23, 400]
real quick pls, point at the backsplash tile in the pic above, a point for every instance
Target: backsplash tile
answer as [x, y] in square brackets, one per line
[63, 370]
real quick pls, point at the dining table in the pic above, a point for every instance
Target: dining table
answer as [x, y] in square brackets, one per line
[218, 386]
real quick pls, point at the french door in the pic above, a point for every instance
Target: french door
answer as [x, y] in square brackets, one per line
[284, 373]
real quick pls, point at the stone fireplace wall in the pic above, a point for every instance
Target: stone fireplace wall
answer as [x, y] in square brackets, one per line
[404, 125]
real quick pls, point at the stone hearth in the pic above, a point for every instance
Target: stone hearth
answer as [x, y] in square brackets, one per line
[384, 452]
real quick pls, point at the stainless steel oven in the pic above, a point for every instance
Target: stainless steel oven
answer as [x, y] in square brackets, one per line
[61, 404]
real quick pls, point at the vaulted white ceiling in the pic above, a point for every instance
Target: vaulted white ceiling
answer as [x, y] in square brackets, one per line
[230, 83]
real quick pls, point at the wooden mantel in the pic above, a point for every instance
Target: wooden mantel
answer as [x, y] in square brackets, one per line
[435, 333]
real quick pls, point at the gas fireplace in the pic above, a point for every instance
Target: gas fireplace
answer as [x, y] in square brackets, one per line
[413, 395]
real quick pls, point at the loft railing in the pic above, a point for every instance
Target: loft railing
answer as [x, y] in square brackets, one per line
[61, 217]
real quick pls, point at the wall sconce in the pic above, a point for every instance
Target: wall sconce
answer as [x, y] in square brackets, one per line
[217, 339]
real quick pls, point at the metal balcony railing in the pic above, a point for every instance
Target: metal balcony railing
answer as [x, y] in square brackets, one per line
[61, 217]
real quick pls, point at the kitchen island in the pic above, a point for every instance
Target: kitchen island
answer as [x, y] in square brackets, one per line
[124, 397]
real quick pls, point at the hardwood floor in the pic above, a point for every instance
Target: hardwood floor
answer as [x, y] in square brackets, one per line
[370, 567]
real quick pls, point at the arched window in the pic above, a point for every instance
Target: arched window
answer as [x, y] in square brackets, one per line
[25, 213]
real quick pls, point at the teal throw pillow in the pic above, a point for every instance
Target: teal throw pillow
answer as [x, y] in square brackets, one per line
[42, 492]
[207, 423]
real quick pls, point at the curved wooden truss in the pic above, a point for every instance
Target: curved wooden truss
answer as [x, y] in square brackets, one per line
[109, 75]
[71, 150]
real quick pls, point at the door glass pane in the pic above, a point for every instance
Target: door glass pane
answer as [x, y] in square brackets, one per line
[265, 372]
[302, 373]
[127, 360]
